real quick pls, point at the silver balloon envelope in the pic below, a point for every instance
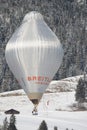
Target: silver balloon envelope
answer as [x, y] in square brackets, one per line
[34, 54]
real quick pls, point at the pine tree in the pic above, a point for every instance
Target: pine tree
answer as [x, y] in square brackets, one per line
[12, 123]
[5, 124]
[43, 126]
[55, 128]
[80, 91]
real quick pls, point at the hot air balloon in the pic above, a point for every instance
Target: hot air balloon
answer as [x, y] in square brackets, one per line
[34, 54]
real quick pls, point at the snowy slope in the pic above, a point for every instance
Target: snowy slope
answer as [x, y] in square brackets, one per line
[49, 101]
[64, 85]
[54, 108]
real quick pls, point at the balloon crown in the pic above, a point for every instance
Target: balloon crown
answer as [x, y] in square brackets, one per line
[32, 15]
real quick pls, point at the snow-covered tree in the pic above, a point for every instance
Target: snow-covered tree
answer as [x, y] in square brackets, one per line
[5, 124]
[80, 91]
[12, 123]
[43, 126]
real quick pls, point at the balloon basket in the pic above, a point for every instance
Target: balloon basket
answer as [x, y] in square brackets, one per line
[35, 112]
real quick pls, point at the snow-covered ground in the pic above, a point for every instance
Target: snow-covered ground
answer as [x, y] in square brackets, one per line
[67, 84]
[54, 108]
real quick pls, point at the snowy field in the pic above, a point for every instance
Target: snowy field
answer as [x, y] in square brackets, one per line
[55, 107]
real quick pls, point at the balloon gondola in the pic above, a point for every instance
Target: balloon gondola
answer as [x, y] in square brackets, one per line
[34, 54]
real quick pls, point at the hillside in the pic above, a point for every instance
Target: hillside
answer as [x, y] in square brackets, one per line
[54, 108]
[67, 18]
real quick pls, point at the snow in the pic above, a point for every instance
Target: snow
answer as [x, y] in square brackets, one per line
[55, 108]
[67, 84]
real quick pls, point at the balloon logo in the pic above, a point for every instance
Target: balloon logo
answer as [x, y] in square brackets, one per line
[34, 55]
